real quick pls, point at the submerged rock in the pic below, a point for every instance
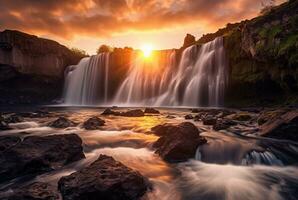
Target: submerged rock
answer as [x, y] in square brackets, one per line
[93, 123]
[108, 111]
[151, 111]
[62, 122]
[35, 191]
[40, 154]
[104, 179]
[177, 142]
[189, 116]
[7, 142]
[282, 127]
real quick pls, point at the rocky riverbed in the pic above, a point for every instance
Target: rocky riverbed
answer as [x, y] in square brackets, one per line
[138, 153]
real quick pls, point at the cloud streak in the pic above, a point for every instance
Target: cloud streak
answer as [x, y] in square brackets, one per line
[101, 18]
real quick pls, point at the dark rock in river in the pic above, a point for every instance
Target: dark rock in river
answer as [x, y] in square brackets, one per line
[104, 179]
[242, 116]
[195, 110]
[39, 154]
[14, 118]
[178, 142]
[129, 113]
[268, 115]
[209, 120]
[35, 191]
[189, 116]
[93, 123]
[62, 122]
[223, 124]
[282, 127]
[151, 111]
[7, 142]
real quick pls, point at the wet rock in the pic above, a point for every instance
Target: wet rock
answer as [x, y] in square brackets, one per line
[188, 116]
[62, 122]
[14, 118]
[209, 120]
[282, 127]
[178, 142]
[195, 110]
[93, 123]
[4, 126]
[242, 116]
[133, 113]
[7, 142]
[268, 115]
[35, 191]
[129, 113]
[104, 179]
[40, 154]
[170, 117]
[36, 114]
[151, 111]
[108, 111]
[223, 124]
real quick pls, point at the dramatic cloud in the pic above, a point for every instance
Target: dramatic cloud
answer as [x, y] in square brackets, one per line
[67, 19]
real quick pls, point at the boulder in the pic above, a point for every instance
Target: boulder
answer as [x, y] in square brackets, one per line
[40, 154]
[223, 124]
[104, 179]
[93, 123]
[133, 113]
[151, 111]
[209, 120]
[6, 142]
[189, 116]
[129, 113]
[177, 142]
[14, 118]
[242, 116]
[35, 191]
[62, 122]
[282, 127]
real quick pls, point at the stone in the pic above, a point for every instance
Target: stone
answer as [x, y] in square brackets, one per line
[105, 179]
[108, 111]
[242, 116]
[189, 116]
[151, 111]
[223, 124]
[62, 122]
[35, 191]
[189, 40]
[283, 127]
[177, 142]
[129, 113]
[209, 120]
[14, 118]
[93, 123]
[37, 154]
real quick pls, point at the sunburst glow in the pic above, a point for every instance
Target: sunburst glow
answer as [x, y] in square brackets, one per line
[147, 50]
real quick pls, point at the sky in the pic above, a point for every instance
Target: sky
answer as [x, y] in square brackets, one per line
[88, 24]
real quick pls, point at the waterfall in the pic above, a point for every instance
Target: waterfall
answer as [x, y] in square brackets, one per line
[198, 78]
[83, 82]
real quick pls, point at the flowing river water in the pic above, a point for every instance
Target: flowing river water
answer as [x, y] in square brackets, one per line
[231, 166]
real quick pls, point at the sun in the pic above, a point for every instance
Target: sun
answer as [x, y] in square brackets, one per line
[147, 50]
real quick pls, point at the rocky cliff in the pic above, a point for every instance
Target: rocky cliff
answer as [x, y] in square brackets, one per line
[263, 58]
[31, 68]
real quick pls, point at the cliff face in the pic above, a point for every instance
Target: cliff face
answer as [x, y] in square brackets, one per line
[31, 68]
[29, 54]
[263, 58]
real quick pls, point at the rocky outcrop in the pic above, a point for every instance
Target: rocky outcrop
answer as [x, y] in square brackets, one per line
[93, 123]
[29, 54]
[33, 67]
[39, 154]
[177, 142]
[284, 126]
[104, 179]
[62, 122]
[189, 40]
[34, 191]
[262, 55]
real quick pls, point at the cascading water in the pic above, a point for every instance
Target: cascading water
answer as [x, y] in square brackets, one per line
[199, 79]
[87, 82]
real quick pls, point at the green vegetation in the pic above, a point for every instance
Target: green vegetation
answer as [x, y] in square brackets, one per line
[79, 52]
